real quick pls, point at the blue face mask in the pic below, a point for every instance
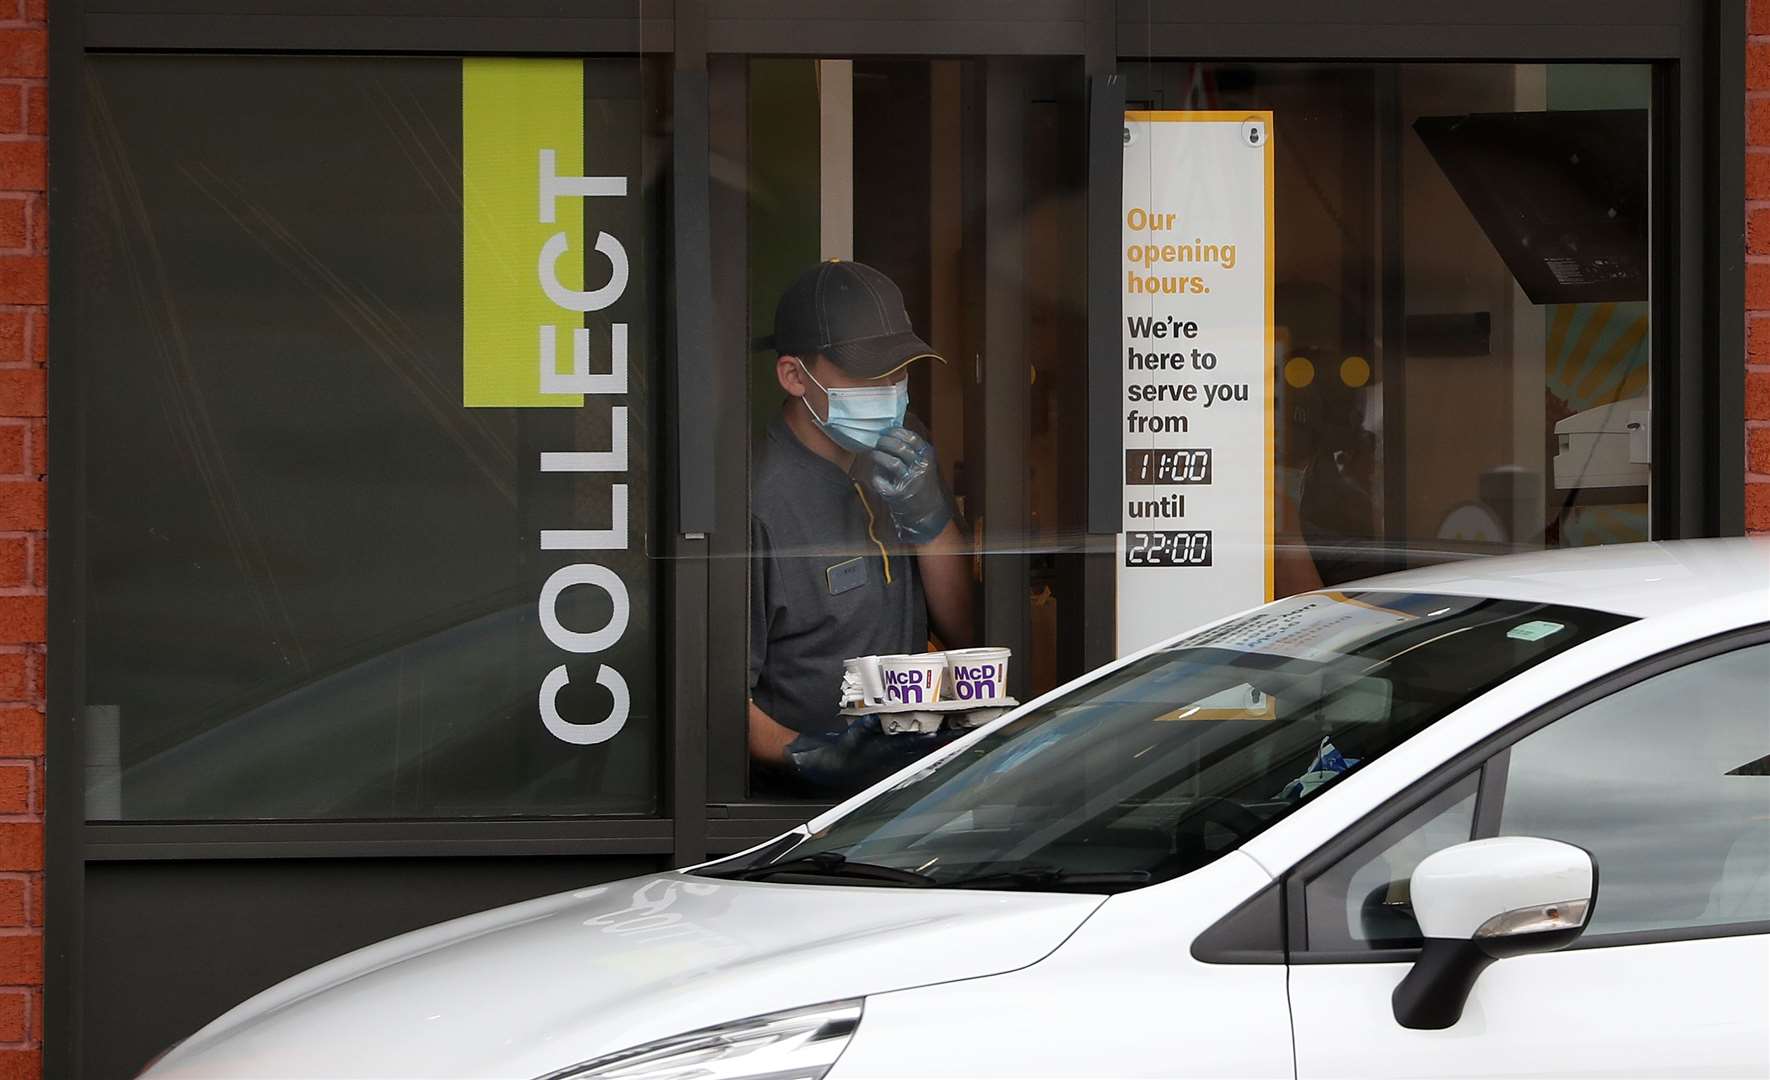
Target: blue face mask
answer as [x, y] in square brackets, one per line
[860, 414]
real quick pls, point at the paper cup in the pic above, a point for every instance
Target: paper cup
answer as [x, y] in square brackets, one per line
[866, 670]
[979, 675]
[912, 678]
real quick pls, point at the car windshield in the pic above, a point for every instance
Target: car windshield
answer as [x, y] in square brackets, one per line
[1158, 768]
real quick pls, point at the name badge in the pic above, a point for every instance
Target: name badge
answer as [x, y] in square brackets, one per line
[846, 576]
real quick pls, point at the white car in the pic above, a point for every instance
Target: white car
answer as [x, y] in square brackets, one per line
[1508, 817]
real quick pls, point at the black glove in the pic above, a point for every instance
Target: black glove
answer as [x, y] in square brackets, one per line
[859, 756]
[906, 478]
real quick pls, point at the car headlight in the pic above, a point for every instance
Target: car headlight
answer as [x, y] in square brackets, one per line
[799, 1044]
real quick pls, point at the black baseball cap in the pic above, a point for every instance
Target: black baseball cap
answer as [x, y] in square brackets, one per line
[850, 313]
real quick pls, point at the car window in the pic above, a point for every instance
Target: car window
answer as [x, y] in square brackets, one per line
[1667, 784]
[1362, 901]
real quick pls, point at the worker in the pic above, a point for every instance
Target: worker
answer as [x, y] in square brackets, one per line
[855, 546]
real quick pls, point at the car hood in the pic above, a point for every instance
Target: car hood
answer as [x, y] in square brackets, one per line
[523, 990]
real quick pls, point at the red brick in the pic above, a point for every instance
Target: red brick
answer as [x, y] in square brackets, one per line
[37, 10]
[1757, 506]
[21, 505]
[37, 908]
[21, 730]
[21, 961]
[12, 109]
[1757, 231]
[36, 1023]
[24, 53]
[24, 279]
[15, 685]
[21, 392]
[21, 1064]
[15, 798]
[15, 1015]
[13, 343]
[12, 451]
[1757, 65]
[39, 335]
[14, 894]
[1757, 395]
[15, 563]
[1757, 174]
[23, 165]
[22, 619]
[1757, 286]
[38, 664]
[1757, 17]
[15, 224]
[1757, 450]
[39, 448]
[21, 848]
[40, 224]
[39, 563]
[1757, 121]
[37, 110]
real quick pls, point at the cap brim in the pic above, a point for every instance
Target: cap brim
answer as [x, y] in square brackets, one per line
[876, 357]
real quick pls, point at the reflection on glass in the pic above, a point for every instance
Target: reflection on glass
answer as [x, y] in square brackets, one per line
[313, 574]
[1364, 901]
[1162, 766]
[887, 164]
[1667, 784]
[1463, 327]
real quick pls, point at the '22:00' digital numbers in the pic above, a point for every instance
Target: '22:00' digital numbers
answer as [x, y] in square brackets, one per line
[1185, 548]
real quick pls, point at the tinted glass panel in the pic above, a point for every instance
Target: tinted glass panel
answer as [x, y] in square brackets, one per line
[1363, 902]
[317, 522]
[1461, 313]
[1667, 784]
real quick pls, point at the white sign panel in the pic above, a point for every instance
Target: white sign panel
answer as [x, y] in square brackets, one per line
[1197, 356]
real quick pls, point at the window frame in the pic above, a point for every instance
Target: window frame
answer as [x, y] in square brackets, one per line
[1696, 46]
[1490, 757]
[1689, 45]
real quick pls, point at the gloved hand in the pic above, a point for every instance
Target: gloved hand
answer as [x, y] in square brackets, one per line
[906, 478]
[859, 756]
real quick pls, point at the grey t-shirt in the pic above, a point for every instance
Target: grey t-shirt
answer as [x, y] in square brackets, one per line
[827, 581]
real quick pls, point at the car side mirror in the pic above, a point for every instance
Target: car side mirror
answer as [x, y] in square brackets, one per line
[1484, 901]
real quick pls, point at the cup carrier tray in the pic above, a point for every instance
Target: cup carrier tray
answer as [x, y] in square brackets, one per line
[901, 719]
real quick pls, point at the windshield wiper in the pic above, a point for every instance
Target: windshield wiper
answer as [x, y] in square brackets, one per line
[1053, 878]
[833, 864]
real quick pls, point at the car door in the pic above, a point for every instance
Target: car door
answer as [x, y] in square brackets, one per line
[1666, 781]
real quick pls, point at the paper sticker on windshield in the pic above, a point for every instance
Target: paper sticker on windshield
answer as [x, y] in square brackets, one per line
[1315, 626]
[1242, 702]
[1535, 631]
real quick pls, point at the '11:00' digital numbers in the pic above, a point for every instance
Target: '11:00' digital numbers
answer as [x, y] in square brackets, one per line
[1191, 548]
[1168, 466]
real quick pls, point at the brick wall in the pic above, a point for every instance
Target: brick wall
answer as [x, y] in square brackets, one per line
[1757, 266]
[24, 224]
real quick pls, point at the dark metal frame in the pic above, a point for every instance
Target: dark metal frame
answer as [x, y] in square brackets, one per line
[1697, 46]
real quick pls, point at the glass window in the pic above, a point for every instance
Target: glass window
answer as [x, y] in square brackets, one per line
[1363, 902]
[350, 551]
[1179, 757]
[1667, 784]
[1460, 353]
[876, 182]
[1462, 326]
